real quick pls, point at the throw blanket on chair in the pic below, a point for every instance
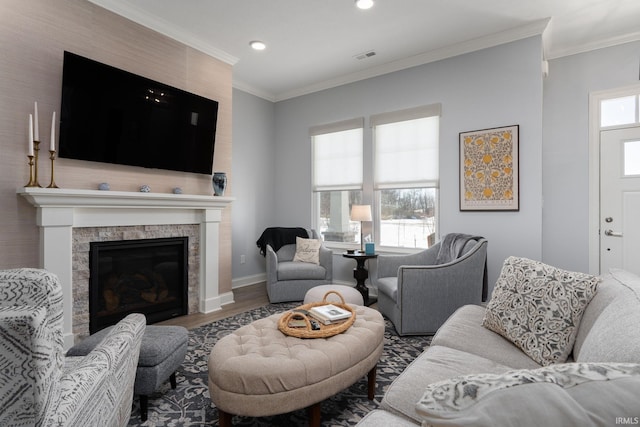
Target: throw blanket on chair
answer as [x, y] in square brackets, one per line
[451, 248]
[277, 237]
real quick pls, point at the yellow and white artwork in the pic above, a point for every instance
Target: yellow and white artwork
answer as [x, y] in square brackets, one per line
[489, 169]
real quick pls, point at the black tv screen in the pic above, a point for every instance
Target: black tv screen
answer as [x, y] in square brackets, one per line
[113, 116]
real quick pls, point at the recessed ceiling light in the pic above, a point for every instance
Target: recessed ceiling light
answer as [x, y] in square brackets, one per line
[258, 45]
[364, 4]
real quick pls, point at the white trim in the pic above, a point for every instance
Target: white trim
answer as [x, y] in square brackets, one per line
[60, 210]
[600, 44]
[514, 34]
[241, 282]
[142, 17]
[252, 90]
[595, 98]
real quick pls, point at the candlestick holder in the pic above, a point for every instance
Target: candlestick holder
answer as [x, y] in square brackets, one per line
[36, 149]
[32, 182]
[52, 156]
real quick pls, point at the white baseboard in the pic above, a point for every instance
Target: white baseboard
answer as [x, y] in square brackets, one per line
[240, 282]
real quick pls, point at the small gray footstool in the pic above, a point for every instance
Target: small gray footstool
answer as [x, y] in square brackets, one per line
[350, 295]
[162, 351]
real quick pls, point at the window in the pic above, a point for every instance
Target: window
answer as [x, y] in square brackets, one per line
[400, 165]
[406, 176]
[619, 111]
[632, 158]
[337, 178]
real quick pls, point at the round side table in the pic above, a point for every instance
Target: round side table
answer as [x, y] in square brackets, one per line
[361, 274]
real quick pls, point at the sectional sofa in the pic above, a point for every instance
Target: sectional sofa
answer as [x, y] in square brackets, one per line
[551, 348]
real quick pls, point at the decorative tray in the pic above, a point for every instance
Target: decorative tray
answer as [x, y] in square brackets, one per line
[324, 331]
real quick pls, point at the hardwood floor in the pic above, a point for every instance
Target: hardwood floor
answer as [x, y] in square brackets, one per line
[245, 298]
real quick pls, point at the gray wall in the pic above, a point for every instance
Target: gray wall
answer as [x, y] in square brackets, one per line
[254, 166]
[494, 87]
[565, 160]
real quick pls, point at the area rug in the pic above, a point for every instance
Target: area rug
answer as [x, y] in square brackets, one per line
[189, 404]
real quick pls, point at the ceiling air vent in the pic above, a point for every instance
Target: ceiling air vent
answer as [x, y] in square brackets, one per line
[365, 55]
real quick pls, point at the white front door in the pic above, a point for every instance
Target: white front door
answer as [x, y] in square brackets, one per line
[620, 199]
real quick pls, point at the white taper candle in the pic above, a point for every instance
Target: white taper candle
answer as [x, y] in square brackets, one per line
[53, 132]
[36, 130]
[30, 142]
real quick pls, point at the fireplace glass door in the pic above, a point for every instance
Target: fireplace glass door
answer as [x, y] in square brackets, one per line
[148, 276]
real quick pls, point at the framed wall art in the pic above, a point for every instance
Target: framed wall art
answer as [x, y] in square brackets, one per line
[489, 177]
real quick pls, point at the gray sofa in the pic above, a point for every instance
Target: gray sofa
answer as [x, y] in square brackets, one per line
[473, 376]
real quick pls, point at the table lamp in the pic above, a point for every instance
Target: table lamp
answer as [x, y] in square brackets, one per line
[361, 213]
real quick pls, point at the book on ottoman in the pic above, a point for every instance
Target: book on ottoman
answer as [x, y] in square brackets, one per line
[329, 313]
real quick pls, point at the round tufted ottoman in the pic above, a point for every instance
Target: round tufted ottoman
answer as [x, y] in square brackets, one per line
[258, 371]
[350, 295]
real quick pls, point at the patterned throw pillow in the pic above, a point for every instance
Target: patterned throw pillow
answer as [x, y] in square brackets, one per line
[539, 307]
[307, 250]
[563, 394]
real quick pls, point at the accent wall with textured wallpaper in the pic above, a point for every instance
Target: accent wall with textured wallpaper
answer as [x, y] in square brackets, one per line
[33, 37]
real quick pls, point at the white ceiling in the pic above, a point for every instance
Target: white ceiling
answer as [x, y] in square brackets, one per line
[312, 44]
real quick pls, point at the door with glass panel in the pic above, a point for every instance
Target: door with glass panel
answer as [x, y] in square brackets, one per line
[620, 199]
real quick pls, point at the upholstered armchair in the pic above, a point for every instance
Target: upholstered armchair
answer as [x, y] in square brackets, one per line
[418, 292]
[289, 280]
[38, 385]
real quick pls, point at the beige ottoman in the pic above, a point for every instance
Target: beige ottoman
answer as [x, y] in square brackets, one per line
[258, 371]
[350, 295]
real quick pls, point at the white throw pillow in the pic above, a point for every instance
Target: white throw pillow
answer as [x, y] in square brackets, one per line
[571, 394]
[307, 250]
[539, 307]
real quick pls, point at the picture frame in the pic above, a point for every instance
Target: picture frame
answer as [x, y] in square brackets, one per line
[489, 169]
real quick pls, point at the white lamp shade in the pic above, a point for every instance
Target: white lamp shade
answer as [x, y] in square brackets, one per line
[361, 213]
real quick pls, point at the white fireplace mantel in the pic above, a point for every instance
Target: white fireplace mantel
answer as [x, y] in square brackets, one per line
[60, 210]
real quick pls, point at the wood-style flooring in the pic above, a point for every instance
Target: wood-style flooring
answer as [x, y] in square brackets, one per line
[245, 298]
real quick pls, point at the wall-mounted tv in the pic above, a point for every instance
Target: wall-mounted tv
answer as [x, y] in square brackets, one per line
[113, 116]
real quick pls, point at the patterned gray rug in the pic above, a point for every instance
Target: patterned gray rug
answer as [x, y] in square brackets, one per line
[189, 403]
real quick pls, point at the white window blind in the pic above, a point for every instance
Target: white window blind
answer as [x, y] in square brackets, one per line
[337, 155]
[406, 148]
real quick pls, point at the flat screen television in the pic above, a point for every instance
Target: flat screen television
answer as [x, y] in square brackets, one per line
[112, 116]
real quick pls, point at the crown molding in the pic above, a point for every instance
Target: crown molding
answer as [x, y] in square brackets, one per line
[161, 26]
[252, 90]
[533, 29]
[600, 44]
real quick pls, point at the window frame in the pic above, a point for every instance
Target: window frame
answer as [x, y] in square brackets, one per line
[370, 194]
[421, 112]
[345, 125]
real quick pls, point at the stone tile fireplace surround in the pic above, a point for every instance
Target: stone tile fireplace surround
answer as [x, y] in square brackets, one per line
[69, 219]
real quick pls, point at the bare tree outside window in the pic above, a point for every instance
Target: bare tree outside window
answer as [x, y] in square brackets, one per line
[408, 217]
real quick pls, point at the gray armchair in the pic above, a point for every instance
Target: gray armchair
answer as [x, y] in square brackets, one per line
[418, 292]
[288, 280]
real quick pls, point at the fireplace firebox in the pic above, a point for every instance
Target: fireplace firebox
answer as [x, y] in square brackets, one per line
[148, 276]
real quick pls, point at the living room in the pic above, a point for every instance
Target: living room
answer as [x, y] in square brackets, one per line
[263, 147]
[497, 86]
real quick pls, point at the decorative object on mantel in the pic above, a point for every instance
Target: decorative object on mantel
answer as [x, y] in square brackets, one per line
[52, 149]
[177, 190]
[104, 186]
[219, 182]
[145, 189]
[33, 148]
